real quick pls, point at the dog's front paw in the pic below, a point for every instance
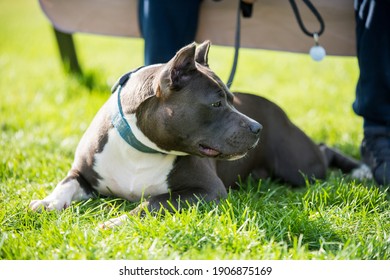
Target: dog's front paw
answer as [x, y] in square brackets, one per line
[47, 204]
[114, 222]
[138, 211]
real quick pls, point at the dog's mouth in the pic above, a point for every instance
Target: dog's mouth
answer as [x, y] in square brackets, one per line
[208, 151]
[213, 153]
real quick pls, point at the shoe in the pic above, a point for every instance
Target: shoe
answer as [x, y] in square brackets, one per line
[375, 152]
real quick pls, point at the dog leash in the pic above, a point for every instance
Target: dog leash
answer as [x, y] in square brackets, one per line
[237, 40]
[317, 52]
[299, 19]
[246, 10]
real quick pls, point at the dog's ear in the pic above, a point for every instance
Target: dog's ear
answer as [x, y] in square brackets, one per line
[179, 69]
[202, 53]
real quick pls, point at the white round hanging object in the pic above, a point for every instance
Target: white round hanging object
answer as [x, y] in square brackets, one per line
[317, 53]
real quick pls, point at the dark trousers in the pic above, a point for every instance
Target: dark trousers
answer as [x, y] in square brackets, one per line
[167, 26]
[373, 53]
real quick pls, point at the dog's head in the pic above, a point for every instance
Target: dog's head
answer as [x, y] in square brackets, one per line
[192, 110]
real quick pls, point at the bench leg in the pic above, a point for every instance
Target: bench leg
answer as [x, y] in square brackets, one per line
[68, 52]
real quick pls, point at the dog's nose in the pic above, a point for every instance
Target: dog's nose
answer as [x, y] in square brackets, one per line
[255, 127]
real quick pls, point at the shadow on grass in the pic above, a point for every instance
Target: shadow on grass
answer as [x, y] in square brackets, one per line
[283, 214]
[90, 80]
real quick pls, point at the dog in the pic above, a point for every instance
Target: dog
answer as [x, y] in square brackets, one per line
[173, 134]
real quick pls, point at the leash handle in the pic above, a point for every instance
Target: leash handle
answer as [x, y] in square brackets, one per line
[315, 13]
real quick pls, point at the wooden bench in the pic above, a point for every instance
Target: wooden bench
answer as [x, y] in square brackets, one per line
[272, 26]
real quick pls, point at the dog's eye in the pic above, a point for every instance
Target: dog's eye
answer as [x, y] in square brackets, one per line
[216, 104]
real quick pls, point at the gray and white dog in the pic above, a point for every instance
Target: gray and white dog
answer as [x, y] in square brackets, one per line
[174, 133]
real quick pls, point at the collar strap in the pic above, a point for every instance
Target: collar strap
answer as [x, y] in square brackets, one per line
[123, 80]
[120, 123]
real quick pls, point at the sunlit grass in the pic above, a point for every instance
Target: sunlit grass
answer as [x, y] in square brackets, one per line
[44, 112]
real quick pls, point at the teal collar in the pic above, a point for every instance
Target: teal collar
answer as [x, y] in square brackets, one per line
[120, 123]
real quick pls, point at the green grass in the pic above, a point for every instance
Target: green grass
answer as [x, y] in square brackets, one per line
[43, 113]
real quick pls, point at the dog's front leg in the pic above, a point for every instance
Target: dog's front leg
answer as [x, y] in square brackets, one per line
[173, 201]
[192, 180]
[178, 200]
[66, 191]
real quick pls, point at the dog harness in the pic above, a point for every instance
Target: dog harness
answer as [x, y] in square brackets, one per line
[118, 119]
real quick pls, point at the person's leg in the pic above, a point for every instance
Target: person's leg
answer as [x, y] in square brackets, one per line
[373, 87]
[167, 26]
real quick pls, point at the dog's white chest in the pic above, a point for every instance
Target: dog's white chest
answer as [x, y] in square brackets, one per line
[130, 174]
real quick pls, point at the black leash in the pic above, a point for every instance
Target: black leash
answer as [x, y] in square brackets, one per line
[246, 10]
[315, 13]
[236, 46]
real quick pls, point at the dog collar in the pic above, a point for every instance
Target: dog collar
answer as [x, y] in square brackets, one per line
[120, 123]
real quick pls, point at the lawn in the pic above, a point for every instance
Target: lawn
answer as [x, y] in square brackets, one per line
[44, 112]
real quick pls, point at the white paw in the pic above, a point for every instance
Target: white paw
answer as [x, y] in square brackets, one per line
[62, 196]
[114, 222]
[49, 204]
[362, 172]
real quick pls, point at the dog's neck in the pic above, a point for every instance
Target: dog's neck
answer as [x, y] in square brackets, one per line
[126, 124]
[119, 121]
[125, 129]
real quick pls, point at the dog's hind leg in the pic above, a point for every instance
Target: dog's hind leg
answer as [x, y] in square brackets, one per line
[70, 189]
[336, 159]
